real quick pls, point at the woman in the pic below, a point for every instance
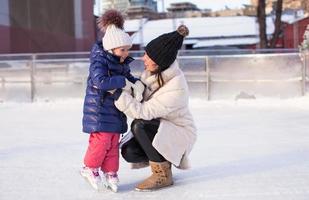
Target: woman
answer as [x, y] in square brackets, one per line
[163, 129]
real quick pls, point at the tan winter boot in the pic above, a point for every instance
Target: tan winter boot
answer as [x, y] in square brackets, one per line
[161, 177]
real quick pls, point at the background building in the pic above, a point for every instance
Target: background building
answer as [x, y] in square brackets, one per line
[101, 5]
[46, 26]
[287, 4]
[293, 32]
[185, 9]
[220, 32]
[228, 12]
[134, 9]
[148, 3]
[142, 9]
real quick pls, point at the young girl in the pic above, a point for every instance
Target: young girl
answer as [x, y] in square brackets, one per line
[109, 74]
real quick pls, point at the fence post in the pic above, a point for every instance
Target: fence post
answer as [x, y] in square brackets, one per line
[207, 68]
[304, 67]
[32, 77]
[2, 82]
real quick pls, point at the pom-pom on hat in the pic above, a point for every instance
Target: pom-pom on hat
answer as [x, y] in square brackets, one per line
[111, 22]
[163, 49]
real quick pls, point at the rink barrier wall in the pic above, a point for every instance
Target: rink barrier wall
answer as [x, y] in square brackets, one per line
[32, 70]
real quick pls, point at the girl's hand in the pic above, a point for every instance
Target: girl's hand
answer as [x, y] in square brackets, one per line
[138, 90]
[128, 86]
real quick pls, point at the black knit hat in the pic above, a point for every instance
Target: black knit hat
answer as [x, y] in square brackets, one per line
[163, 49]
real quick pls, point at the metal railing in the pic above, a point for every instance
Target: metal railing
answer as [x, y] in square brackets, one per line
[208, 76]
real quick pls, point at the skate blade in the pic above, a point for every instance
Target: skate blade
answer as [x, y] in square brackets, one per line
[112, 188]
[93, 185]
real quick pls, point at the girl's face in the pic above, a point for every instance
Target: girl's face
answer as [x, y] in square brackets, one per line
[150, 65]
[122, 52]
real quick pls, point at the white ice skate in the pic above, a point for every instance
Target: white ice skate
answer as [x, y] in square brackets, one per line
[111, 181]
[92, 176]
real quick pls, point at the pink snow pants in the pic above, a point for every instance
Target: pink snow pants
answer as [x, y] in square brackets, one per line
[103, 151]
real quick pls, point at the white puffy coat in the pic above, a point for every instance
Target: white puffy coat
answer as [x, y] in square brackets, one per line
[177, 132]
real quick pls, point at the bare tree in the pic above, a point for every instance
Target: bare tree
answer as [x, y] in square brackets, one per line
[261, 14]
[277, 24]
[262, 23]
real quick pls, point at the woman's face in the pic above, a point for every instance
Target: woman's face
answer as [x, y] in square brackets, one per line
[150, 65]
[122, 52]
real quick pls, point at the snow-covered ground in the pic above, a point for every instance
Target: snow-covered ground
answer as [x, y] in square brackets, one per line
[248, 149]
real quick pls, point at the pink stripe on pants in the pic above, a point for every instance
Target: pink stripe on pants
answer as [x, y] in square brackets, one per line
[103, 151]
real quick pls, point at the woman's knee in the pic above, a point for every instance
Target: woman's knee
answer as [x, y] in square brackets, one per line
[137, 126]
[133, 154]
[127, 153]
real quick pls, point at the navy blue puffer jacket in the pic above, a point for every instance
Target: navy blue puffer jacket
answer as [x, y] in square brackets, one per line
[105, 74]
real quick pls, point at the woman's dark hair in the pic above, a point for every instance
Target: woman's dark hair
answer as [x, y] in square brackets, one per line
[160, 78]
[158, 74]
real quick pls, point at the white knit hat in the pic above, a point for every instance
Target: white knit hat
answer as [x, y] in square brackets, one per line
[115, 37]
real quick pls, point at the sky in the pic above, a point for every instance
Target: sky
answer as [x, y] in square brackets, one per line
[202, 4]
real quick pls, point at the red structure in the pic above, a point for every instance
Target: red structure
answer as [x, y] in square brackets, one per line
[31, 26]
[293, 33]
